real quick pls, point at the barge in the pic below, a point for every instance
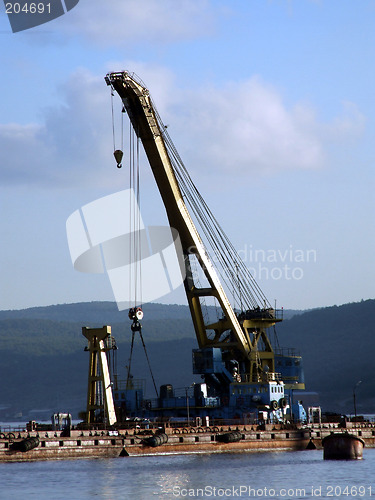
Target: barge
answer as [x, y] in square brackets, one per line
[132, 442]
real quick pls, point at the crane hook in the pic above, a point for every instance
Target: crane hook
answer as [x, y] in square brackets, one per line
[118, 154]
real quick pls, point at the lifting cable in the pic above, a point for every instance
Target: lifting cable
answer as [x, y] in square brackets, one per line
[135, 240]
[136, 313]
[113, 121]
[135, 228]
[148, 362]
[117, 153]
[130, 362]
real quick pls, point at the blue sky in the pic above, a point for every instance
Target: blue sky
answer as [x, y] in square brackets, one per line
[269, 102]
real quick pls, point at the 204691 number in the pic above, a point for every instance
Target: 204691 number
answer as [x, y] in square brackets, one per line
[27, 8]
[352, 491]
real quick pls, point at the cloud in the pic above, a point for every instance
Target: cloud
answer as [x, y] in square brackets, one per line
[68, 146]
[246, 127]
[239, 128]
[73, 143]
[114, 22]
[350, 124]
[17, 146]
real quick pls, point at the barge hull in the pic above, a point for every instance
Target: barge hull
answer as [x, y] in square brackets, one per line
[132, 442]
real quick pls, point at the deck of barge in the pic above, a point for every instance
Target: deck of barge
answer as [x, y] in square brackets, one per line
[133, 441]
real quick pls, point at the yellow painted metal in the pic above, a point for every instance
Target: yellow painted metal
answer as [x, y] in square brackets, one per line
[241, 337]
[99, 379]
[138, 104]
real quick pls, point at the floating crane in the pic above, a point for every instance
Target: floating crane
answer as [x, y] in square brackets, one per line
[234, 356]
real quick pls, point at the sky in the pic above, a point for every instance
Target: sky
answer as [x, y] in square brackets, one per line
[269, 103]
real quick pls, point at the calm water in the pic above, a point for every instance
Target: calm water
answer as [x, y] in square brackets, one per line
[253, 475]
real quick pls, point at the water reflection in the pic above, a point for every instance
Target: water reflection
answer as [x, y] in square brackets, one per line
[163, 477]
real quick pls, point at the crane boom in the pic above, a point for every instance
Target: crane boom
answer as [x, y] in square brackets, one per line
[140, 109]
[242, 333]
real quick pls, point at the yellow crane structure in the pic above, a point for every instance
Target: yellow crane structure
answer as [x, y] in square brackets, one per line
[99, 392]
[240, 334]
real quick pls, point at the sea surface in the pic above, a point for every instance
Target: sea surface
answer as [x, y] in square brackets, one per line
[288, 475]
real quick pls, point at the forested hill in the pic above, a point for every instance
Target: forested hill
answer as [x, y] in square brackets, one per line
[95, 312]
[44, 365]
[338, 348]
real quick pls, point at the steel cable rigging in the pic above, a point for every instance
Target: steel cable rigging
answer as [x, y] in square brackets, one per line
[231, 268]
[135, 227]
